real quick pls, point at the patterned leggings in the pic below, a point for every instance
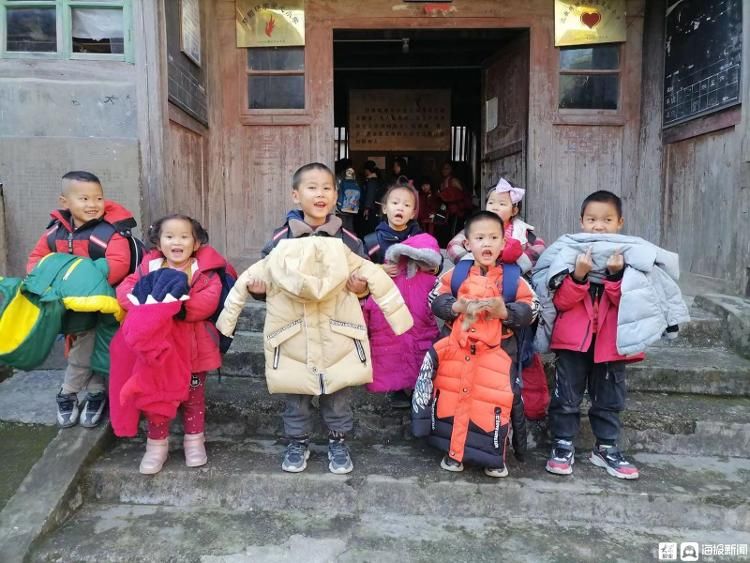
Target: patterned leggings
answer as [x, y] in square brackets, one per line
[193, 411]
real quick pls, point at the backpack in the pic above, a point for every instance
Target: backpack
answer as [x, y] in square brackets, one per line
[511, 277]
[228, 277]
[100, 236]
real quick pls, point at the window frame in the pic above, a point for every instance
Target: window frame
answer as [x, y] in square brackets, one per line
[592, 116]
[272, 116]
[64, 30]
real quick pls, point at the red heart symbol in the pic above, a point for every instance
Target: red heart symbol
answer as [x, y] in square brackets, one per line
[591, 19]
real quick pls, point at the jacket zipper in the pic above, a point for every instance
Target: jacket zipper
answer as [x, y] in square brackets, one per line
[276, 356]
[70, 243]
[360, 351]
[432, 410]
[585, 337]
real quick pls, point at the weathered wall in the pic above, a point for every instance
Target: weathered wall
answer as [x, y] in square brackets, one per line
[706, 194]
[66, 115]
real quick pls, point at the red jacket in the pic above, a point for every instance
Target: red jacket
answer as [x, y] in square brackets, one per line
[117, 253]
[150, 366]
[205, 291]
[578, 319]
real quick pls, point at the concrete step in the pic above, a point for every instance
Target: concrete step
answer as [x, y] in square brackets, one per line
[106, 532]
[700, 493]
[690, 369]
[656, 422]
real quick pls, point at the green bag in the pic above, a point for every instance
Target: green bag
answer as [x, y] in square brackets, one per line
[29, 323]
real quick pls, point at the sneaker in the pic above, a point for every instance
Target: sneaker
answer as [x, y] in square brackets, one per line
[340, 459]
[450, 464]
[295, 458]
[400, 400]
[562, 458]
[496, 472]
[93, 409]
[611, 459]
[67, 409]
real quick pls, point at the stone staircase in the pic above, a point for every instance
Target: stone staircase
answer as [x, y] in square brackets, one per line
[687, 426]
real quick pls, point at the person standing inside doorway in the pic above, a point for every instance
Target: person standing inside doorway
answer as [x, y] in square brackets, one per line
[453, 194]
[373, 192]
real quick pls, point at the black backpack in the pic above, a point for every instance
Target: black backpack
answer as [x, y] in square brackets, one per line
[228, 277]
[99, 238]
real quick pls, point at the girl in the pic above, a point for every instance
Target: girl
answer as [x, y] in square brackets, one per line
[400, 207]
[505, 200]
[180, 245]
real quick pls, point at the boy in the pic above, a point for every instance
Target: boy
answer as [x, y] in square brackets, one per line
[472, 367]
[314, 190]
[73, 230]
[584, 341]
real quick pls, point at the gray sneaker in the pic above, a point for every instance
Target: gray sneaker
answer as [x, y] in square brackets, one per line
[93, 409]
[295, 457]
[67, 409]
[340, 460]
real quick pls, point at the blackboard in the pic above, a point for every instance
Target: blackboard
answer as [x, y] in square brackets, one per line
[703, 56]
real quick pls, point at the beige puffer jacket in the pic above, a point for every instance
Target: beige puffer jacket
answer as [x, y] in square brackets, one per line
[315, 334]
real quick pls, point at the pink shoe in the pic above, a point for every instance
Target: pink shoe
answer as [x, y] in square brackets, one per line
[155, 456]
[195, 450]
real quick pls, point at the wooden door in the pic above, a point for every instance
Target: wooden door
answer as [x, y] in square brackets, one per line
[505, 114]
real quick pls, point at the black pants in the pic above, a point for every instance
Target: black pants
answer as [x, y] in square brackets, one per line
[575, 372]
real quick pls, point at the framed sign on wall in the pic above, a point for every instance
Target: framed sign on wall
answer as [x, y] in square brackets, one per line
[270, 24]
[403, 120]
[590, 22]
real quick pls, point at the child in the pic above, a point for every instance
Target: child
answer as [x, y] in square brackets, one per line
[373, 196]
[180, 247]
[585, 335]
[505, 200]
[473, 396]
[429, 206]
[315, 336]
[400, 207]
[83, 211]
[349, 199]
[396, 359]
[523, 247]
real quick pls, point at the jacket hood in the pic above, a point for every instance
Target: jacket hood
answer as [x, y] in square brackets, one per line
[419, 248]
[114, 213]
[309, 268]
[206, 259]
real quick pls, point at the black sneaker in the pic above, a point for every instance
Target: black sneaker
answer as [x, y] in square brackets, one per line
[562, 458]
[611, 459]
[67, 409]
[93, 409]
[296, 455]
[340, 460]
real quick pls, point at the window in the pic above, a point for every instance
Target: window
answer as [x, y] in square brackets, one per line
[590, 77]
[75, 29]
[276, 78]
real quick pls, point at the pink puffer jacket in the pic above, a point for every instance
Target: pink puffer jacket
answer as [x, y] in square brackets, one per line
[396, 359]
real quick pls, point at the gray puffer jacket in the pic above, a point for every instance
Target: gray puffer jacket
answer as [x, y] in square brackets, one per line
[651, 299]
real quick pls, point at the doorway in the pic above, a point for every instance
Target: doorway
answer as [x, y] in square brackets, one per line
[481, 76]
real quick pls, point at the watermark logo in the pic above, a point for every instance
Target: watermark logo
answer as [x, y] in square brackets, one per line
[667, 551]
[689, 551]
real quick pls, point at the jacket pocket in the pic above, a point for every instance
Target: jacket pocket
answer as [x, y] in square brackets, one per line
[357, 332]
[276, 338]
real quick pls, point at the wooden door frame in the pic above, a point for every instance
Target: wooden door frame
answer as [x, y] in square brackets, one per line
[528, 23]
